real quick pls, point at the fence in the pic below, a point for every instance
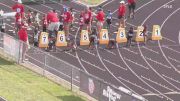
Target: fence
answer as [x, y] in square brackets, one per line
[62, 72]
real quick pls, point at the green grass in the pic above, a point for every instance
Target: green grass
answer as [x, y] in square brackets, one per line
[20, 84]
[91, 2]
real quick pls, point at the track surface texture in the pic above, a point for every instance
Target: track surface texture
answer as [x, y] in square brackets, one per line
[151, 70]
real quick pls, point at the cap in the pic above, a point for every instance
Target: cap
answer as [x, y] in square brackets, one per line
[122, 2]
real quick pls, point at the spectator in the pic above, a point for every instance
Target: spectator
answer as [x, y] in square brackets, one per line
[23, 36]
[67, 19]
[121, 15]
[18, 22]
[100, 19]
[87, 19]
[19, 8]
[132, 6]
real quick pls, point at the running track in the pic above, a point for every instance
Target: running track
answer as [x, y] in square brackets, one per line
[151, 71]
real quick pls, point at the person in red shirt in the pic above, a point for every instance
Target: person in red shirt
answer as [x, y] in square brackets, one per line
[19, 8]
[18, 22]
[121, 14]
[81, 21]
[87, 16]
[67, 19]
[100, 19]
[29, 17]
[23, 36]
[132, 6]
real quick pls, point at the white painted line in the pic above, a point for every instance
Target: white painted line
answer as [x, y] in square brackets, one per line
[177, 81]
[135, 85]
[108, 3]
[130, 51]
[158, 62]
[136, 63]
[115, 64]
[178, 61]
[93, 65]
[70, 54]
[108, 51]
[86, 51]
[150, 50]
[179, 37]
[171, 49]
[168, 93]
[157, 83]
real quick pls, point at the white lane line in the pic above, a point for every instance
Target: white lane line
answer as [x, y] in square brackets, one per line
[86, 51]
[136, 63]
[178, 61]
[112, 73]
[115, 64]
[179, 37]
[170, 49]
[78, 55]
[108, 3]
[157, 83]
[92, 65]
[157, 62]
[148, 62]
[130, 50]
[169, 39]
[150, 50]
[108, 51]
[71, 54]
[134, 73]
[177, 81]
[168, 93]
[134, 84]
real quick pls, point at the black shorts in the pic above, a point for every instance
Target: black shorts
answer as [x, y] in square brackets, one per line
[132, 6]
[108, 21]
[87, 22]
[120, 17]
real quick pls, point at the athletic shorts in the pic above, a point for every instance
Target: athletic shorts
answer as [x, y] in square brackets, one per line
[87, 22]
[108, 21]
[100, 24]
[132, 6]
[53, 26]
[120, 17]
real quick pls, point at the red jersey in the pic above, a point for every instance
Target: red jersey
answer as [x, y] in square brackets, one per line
[131, 1]
[52, 17]
[18, 18]
[87, 16]
[122, 10]
[100, 16]
[67, 17]
[23, 34]
[19, 8]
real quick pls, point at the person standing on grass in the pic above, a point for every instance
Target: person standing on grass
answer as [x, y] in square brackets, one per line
[131, 6]
[100, 19]
[130, 36]
[121, 14]
[23, 37]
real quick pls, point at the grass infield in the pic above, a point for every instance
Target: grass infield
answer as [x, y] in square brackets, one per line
[20, 84]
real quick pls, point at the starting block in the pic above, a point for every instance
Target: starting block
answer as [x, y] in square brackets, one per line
[84, 38]
[104, 37]
[43, 41]
[156, 33]
[140, 34]
[61, 39]
[121, 36]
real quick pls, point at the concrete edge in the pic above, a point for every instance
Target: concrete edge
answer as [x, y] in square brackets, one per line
[84, 4]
